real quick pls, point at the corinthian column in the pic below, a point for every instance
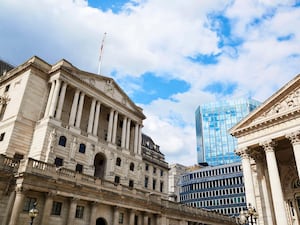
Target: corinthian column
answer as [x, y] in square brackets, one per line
[74, 108]
[16, 207]
[49, 99]
[295, 140]
[91, 117]
[110, 125]
[248, 178]
[115, 127]
[276, 189]
[54, 99]
[124, 132]
[61, 101]
[79, 112]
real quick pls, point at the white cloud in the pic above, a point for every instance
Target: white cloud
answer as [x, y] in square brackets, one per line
[157, 36]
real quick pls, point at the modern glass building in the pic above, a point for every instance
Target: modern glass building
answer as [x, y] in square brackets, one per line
[215, 146]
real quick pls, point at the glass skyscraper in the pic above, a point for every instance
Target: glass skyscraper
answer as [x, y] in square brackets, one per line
[215, 146]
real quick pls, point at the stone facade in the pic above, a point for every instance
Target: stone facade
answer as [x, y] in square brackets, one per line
[269, 145]
[72, 142]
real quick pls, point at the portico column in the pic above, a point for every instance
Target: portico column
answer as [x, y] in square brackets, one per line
[72, 210]
[131, 217]
[295, 140]
[16, 207]
[50, 98]
[248, 178]
[79, 112]
[145, 219]
[128, 133]
[136, 135]
[91, 117]
[96, 122]
[140, 140]
[74, 108]
[61, 101]
[123, 132]
[47, 208]
[110, 125]
[93, 213]
[115, 126]
[116, 216]
[54, 98]
[276, 189]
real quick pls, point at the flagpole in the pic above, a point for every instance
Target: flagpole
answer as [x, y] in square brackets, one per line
[100, 56]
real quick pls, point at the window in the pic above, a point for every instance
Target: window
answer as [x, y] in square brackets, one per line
[28, 204]
[117, 179]
[7, 88]
[58, 162]
[62, 141]
[146, 182]
[147, 167]
[118, 161]
[2, 136]
[154, 185]
[79, 168]
[161, 187]
[56, 208]
[79, 211]
[154, 170]
[121, 218]
[18, 156]
[82, 148]
[161, 173]
[131, 183]
[131, 167]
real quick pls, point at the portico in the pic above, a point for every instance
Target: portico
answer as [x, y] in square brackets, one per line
[268, 143]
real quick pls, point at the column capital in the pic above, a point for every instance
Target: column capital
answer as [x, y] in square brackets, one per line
[294, 137]
[268, 145]
[242, 152]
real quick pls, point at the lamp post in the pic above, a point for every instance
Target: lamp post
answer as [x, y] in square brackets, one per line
[33, 213]
[247, 216]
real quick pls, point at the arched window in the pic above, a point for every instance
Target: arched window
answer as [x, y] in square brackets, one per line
[131, 166]
[82, 148]
[118, 161]
[62, 141]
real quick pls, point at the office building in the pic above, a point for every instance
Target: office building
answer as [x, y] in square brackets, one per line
[268, 142]
[71, 141]
[218, 188]
[215, 146]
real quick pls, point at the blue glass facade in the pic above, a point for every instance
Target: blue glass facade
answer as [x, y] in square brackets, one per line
[215, 145]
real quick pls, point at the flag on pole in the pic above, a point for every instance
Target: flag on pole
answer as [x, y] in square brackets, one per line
[100, 53]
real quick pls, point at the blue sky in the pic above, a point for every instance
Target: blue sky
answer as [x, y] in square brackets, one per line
[169, 56]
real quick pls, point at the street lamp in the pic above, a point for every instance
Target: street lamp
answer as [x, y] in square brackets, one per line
[33, 213]
[247, 216]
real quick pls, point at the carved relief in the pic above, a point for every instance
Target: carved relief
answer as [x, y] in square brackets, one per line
[109, 88]
[4, 99]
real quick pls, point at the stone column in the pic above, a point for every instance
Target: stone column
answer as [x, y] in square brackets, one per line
[128, 133]
[145, 219]
[54, 98]
[74, 108]
[91, 117]
[276, 189]
[265, 194]
[47, 209]
[8, 209]
[79, 112]
[61, 101]
[295, 140]
[72, 210]
[124, 132]
[96, 122]
[110, 125]
[115, 127]
[17, 207]
[93, 213]
[131, 217]
[136, 136]
[140, 141]
[116, 216]
[248, 178]
[49, 99]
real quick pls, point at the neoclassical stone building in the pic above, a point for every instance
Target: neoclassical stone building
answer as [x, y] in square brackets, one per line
[72, 142]
[269, 145]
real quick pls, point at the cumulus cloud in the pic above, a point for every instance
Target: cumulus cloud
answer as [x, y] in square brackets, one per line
[256, 43]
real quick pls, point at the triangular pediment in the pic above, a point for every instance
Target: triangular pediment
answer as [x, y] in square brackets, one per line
[105, 85]
[283, 103]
